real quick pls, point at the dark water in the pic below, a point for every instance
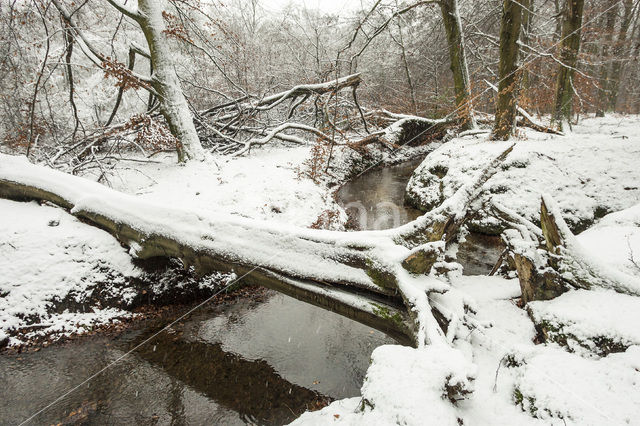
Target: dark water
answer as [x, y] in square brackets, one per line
[375, 200]
[245, 362]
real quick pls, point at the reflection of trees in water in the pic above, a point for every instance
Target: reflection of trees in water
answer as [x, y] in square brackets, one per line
[251, 388]
[376, 198]
[175, 406]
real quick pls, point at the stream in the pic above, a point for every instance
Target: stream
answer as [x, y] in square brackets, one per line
[249, 361]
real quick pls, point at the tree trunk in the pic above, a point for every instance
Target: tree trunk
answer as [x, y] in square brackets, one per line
[364, 275]
[173, 104]
[619, 57]
[550, 260]
[569, 49]
[459, 67]
[527, 26]
[407, 71]
[508, 86]
[605, 67]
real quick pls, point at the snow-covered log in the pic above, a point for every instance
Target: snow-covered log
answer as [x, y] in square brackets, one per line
[551, 260]
[404, 129]
[235, 126]
[573, 262]
[295, 92]
[370, 276]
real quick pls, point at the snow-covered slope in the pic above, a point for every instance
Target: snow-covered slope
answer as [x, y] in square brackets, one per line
[517, 382]
[589, 172]
[264, 185]
[48, 254]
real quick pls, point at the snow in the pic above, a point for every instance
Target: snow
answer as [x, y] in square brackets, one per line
[586, 264]
[263, 185]
[591, 171]
[48, 254]
[516, 381]
[581, 391]
[42, 264]
[255, 208]
[615, 239]
[403, 386]
[584, 316]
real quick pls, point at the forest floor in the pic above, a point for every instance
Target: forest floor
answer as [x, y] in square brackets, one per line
[56, 271]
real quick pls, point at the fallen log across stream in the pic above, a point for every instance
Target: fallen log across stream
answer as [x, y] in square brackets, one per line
[380, 278]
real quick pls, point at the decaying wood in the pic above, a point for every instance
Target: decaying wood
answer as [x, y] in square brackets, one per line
[550, 260]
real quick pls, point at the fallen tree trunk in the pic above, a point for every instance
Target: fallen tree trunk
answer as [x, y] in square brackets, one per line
[551, 261]
[358, 274]
[295, 92]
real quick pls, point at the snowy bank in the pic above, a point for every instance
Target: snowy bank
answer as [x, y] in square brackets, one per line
[59, 274]
[589, 172]
[49, 255]
[598, 321]
[517, 381]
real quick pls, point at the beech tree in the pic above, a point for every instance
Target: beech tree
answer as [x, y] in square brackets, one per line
[163, 82]
[569, 49]
[508, 72]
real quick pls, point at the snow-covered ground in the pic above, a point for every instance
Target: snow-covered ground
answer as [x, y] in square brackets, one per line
[591, 171]
[267, 184]
[47, 254]
[588, 371]
[517, 382]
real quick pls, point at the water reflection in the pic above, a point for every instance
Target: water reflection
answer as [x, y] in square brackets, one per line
[241, 363]
[375, 199]
[244, 362]
[253, 389]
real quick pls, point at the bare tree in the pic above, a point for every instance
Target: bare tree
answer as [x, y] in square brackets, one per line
[569, 49]
[620, 54]
[508, 71]
[164, 82]
[457, 55]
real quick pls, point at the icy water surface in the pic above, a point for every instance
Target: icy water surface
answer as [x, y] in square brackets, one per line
[244, 362]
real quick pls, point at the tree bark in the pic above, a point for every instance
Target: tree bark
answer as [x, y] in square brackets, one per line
[509, 75]
[173, 105]
[459, 67]
[620, 55]
[551, 261]
[569, 49]
[527, 26]
[164, 81]
[605, 67]
[362, 275]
